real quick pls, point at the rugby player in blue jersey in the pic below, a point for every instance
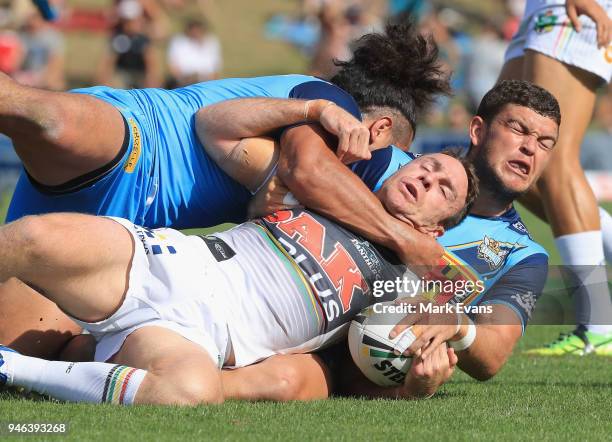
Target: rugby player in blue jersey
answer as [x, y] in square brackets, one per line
[512, 136]
[136, 154]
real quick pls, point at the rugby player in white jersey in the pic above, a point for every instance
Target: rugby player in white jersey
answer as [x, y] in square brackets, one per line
[169, 310]
[564, 46]
[513, 137]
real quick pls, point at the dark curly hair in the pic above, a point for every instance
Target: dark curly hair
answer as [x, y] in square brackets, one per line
[521, 93]
[397, 69]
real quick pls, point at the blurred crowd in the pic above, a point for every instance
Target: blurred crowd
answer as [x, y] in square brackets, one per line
[141, 49]
[170, 43]
[472, 44]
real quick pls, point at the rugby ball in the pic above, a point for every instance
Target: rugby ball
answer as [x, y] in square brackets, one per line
[371, 348]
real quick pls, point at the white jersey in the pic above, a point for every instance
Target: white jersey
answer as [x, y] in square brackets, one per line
[287, 284]
[546, 28]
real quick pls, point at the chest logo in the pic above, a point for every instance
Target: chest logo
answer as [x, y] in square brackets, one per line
[493, 252]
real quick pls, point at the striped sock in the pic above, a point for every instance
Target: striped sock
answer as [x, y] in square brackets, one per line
[93, 382]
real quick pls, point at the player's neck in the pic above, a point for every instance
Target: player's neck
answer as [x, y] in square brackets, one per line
[488, 204]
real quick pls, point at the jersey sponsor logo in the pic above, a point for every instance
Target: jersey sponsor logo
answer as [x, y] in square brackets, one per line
[546, 22]
[520, 227]
[338, 265]
[219, 249]
[149, 238]
[132, 160]
[369, 257]
[526, 301]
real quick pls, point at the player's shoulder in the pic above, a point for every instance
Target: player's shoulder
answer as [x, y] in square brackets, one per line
[383, 164]
[508, 231]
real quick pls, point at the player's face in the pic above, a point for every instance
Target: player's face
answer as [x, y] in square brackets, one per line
[426, 191]
[513, 149]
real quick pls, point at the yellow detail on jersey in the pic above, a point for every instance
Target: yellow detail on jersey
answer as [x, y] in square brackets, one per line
[132, 160]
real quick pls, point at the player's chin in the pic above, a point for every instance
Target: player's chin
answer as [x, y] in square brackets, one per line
[518, 183]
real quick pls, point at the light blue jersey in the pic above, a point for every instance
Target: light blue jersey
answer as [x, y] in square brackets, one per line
[498, 251]
[162, 176]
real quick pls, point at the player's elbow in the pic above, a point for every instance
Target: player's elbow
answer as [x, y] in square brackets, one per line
[486, 370]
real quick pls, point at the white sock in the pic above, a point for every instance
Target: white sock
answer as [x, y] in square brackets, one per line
[583, 254]
[93, 382]
[606, 230]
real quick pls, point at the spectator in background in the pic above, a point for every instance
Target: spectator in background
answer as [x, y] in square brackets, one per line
[131, 61]
[11, 52]
[342, 22]
[334, 38]
[194, 55]
[42, 65]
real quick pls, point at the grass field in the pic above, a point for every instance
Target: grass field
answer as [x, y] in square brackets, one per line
[532, 399]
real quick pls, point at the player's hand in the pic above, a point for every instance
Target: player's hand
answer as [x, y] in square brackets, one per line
[428, 374]
[272, 196]
[421, 253]
[432, 330]
[353, 136]
[595, 12]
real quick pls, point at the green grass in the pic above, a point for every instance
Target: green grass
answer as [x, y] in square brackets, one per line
[533, 398]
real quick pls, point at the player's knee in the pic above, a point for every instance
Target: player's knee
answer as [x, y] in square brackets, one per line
[196, 390]
[38, 236]
[288, 384]
[28, 235]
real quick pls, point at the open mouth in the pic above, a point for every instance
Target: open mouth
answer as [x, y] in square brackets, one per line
[410, 190]
[520, 167]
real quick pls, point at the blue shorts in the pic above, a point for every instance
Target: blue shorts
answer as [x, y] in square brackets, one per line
[160, 177]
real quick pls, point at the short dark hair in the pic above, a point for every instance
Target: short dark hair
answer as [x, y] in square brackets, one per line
[397, 69]
[472, 188]
[521, 93]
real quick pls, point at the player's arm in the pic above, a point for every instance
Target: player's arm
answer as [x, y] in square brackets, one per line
[485, 342]
[496, 336]
[279, 378]
[321, 182]
[225, 129]
[512, 300]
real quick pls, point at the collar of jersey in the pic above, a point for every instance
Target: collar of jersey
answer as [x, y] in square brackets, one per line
[509, 216]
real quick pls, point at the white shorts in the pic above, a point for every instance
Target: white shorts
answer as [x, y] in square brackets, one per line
[546, 28]
[173, 283]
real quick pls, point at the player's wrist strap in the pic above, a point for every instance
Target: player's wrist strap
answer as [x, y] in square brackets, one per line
[467, 340]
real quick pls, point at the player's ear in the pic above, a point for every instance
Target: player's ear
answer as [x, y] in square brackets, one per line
[381, 132]
[477, 131]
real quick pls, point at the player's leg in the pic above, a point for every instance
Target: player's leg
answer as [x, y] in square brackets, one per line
[565, 191]
[567, 198]
[154, 366]
[279, 378]
[80, 262]
[59, 136]
[30, 323]
[178, 371]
